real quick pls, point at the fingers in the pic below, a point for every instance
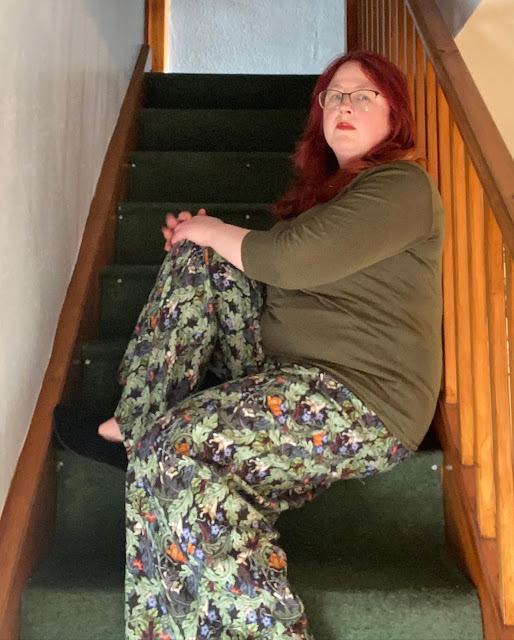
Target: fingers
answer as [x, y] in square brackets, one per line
[171, 221]
[202, 212]
[183, 216]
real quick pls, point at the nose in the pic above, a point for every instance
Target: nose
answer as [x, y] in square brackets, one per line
[346, 104]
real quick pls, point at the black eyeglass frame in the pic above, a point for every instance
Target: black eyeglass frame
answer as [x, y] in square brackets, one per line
[343, 94]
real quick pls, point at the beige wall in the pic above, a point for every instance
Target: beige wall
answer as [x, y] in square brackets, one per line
[486, 43]
[66, 65]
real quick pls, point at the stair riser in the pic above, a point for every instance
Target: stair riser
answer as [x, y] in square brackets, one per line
[139, 238]
[222, 91]
[100, 388]
[124, 292]
[220, 130]
[209, 177]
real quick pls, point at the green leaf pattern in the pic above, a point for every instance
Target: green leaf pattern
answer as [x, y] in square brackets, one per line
[210, 469]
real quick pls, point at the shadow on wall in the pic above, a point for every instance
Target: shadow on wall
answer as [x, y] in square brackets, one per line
[109, 19]
[457, 12]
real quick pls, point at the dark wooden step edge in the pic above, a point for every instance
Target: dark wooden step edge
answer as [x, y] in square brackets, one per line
[28, 519]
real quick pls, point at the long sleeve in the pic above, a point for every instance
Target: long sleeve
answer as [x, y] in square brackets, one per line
[383, 212]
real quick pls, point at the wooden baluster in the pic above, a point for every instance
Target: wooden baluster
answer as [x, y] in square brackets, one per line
[431, 116]
[480, 351]
[508, 456]
[421, 97]
[394, 31]
[360, 24]
[462, 298]
[410, 57]
[387, 28]
[379, 26]
[502, 418]
[368, 23]
[443, 141]
[401, 35]
[372, 25]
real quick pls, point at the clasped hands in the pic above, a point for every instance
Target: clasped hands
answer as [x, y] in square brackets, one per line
[198, 229]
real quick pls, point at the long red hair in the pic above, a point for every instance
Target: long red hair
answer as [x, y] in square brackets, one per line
[318, 175]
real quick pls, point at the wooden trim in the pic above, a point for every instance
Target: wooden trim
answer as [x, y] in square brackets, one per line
[28, 518]
[485, 145]
[477, 556]
[158, 33]
[352, 25]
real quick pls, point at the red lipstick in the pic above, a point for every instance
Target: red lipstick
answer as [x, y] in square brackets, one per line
[344, 125]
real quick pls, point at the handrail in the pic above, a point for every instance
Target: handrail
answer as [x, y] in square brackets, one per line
[474, 171]
[486, 147]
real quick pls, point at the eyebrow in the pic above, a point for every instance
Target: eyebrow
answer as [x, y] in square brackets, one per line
[359, 88]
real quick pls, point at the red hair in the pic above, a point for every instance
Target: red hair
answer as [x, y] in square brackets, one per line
[319, 177]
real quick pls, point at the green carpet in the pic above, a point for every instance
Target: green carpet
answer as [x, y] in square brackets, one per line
[367, 557]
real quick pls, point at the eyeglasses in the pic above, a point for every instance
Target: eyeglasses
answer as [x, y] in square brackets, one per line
[361, 100]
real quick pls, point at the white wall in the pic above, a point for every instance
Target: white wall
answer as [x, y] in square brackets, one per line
[66, 65]
[245, 36]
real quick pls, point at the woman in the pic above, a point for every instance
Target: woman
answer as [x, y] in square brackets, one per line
[335, 375]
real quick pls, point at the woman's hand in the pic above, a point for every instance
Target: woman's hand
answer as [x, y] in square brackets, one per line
[171, 224]
[225, 239]
[199, 229]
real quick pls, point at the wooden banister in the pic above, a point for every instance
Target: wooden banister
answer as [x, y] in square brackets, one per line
[483, 141]
[474, 171]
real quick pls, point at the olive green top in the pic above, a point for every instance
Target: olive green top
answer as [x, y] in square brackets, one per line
[354, 287]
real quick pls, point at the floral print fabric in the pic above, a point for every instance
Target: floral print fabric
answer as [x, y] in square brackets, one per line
[210, 470]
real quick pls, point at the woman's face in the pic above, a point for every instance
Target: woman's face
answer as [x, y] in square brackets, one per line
[351, 132]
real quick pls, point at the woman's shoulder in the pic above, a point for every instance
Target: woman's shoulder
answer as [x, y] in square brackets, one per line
[403, 179]
[399, 170]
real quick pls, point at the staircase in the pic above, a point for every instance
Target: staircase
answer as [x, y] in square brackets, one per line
[367, 557]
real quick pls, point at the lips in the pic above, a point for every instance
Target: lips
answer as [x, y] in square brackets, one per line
[345, 126]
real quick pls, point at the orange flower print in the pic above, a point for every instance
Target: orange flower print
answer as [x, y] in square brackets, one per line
[151, 517]
[190, 548]
[138, 564]
[276, 561]
[176, 554]
[183, 448]
[317, 438]
[153, 321]
[274, 403]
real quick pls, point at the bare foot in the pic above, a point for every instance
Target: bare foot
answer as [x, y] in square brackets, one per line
[110, 431]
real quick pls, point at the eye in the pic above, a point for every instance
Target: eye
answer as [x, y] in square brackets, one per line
[334, 97]
[362, 96]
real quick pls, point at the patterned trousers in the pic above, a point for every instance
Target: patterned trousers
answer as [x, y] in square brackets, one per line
[210, 470]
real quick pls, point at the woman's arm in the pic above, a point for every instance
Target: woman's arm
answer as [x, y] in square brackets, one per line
[225, 239]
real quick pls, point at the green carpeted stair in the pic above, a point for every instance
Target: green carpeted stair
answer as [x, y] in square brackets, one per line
[367, 557]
